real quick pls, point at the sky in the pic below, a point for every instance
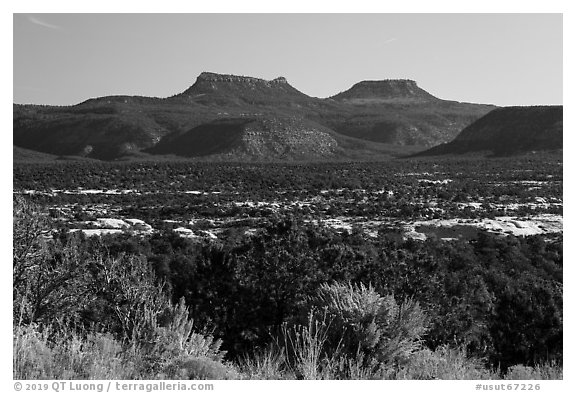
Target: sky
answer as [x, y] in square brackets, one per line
[501, 59]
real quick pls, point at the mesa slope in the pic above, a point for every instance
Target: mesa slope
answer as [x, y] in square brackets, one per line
[508, 131]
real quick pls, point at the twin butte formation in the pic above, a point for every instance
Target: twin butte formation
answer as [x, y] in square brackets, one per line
[237, 118]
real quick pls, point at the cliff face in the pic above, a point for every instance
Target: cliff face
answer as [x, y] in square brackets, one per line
[509, 130]
[211, 77]
[260, 138]
[288, 137]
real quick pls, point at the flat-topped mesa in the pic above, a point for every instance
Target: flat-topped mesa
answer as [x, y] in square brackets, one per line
[387, 90]
[244, 88]
[237, 79]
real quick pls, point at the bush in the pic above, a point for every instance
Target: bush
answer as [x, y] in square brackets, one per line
[351, 332]
[542, 372]
[186, 367]
[46, 353]
[364, 322]
[266, 364]
[169, 346]
[48, 276]
[173, 351]
[443, 363]
[80, 313]
[307, 349]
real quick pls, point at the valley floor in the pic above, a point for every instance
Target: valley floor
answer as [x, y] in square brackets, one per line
[441, 200]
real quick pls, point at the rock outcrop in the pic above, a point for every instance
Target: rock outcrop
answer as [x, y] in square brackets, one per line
[258, 138]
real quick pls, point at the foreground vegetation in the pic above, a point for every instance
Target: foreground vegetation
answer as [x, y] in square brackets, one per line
[294, 301]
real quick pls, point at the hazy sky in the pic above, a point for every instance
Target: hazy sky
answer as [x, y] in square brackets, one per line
[503, 59]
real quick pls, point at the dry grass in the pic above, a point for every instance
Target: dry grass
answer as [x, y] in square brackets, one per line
[443, 363]
[46, 354]
[267, 364]
[540, 372]
[174, 351]
[55, 354]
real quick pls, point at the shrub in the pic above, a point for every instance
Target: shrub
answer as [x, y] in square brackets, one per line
[542, 372]
[366, 323]
[443, 363]
[266, 364]
[47, 353]
[48, 276]
[306, 349]
[186, 367]
[65, 352]
[351, 332]
[176, 343]
[80, 313]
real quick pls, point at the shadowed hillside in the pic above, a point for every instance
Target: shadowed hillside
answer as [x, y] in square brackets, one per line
[510, 130]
